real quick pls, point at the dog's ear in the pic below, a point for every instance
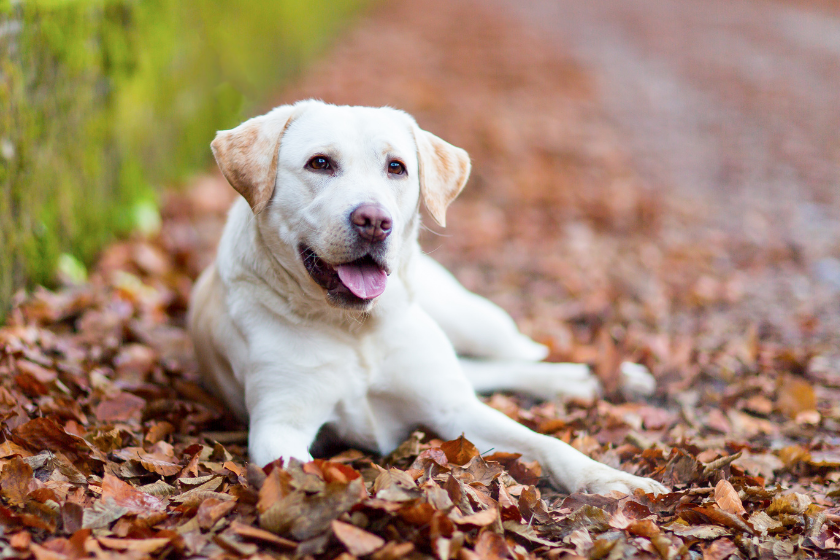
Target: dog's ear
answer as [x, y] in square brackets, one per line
[247, 155]
[444, 170]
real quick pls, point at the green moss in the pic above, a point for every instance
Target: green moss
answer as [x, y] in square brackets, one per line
[102, 101]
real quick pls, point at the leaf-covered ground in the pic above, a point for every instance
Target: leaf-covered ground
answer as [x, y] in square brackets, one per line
[111, 448]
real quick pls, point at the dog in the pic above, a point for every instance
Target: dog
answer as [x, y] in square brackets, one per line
[322, 310]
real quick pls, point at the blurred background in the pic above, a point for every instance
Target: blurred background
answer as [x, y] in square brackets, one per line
[655, 180]
[104, 104]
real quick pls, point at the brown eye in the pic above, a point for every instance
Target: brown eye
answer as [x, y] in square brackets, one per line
[396, 168]
[319, 162]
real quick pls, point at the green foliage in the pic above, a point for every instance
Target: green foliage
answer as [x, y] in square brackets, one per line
[101, 101]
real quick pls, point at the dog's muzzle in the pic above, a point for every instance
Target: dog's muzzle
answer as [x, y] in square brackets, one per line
[362, 279]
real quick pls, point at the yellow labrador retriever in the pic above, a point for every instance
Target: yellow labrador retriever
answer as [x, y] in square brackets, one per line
[321, 309]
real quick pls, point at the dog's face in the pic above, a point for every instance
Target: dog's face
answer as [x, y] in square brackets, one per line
[336, 191]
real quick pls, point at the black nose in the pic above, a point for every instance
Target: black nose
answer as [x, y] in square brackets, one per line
[372, 222]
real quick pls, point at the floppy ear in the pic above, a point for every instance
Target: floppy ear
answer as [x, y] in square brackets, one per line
[444, 170]
[247, 155]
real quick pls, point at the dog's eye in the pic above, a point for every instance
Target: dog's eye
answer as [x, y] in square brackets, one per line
[319, 162]
[396, 168]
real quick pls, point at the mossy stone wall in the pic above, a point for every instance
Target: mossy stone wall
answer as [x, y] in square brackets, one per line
[104, 101]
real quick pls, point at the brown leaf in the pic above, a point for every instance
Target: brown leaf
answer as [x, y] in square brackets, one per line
[522, 472]
[211, 510]
[790, 504]
[159, 463]
[120, 408]
[146, 546]
[21, 540]
[15, 481]
[41, 374]
[491, 546]
[396, 486]
[276, 486]
[717, 515]
[682, 468]
[158, 431]
[703, 532]
[459, 451]
[394, 550]
[45, 433]
[238, 470]
[726, 497]
[763, 523]
[9, 518]
[9, 448]
[128, 497]
[304, 517]
[509, 508]
[248, 532]
[330, 471]
[795, 395]
[479, 519]
[417, 513]
[357, 541]
[643, 528]
[720, 550]
[43, 553]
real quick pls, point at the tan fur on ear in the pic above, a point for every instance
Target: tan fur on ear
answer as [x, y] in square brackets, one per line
[247, 155]
[444, 170]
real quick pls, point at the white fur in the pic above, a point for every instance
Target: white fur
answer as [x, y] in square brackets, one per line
[280, 354]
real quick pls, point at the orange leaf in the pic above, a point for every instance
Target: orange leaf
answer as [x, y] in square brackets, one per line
[726, 497]
[129, 497]
[479, 519]
[257, 534]
[357, 541]
[15, 480]
[459, 451]
[796, 395]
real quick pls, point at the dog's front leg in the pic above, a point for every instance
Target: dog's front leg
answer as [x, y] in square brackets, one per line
[429, 388]
[286, 408]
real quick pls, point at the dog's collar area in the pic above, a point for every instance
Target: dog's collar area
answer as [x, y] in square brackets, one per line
[351, 283]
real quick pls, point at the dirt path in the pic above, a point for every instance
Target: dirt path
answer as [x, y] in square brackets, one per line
[733, 100]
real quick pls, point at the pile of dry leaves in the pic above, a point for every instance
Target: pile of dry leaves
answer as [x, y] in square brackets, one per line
[111, 448]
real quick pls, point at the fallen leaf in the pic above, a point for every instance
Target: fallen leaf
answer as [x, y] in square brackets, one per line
[796, 395]
[491, 546]
[128, 497]
[790, 504]
[479, 519]
[357, 541]
[16, 481]
[211, 510]
[146, 546]
[459, 451]
[248, 532]
[720, 550]
[726, 497]
[703, 532]
[120, 408]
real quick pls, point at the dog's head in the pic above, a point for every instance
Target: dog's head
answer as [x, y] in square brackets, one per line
[336, 190]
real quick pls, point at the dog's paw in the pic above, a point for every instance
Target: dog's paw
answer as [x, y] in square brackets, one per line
[636, 381]
[604, 479]
[575, 381]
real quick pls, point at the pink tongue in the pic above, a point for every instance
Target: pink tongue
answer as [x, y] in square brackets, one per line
[365, 280]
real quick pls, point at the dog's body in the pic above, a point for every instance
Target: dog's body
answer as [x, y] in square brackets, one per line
[321, 308]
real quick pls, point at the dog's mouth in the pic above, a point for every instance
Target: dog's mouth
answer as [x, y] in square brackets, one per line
[362, 279]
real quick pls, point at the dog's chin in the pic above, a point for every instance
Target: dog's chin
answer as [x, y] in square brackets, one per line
[327, 277]
[350, 302]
